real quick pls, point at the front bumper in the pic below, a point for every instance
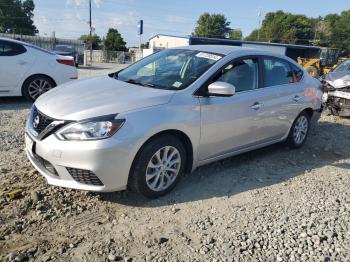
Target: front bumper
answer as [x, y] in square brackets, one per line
[337, 103]
[109, 160]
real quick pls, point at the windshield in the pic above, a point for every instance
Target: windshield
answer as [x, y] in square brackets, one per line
[171, 69]
[345, 66]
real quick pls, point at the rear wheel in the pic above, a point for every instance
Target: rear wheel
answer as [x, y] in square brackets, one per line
[158, 167]
[35, 86]
[313, 71]
[299, 131]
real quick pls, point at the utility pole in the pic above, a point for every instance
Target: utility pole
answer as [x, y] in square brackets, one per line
[259, 17]
[90, 23]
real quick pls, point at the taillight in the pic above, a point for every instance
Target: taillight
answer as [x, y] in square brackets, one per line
[66, 62]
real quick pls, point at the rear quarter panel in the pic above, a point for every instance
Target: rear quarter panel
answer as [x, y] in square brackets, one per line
[312, 93]
[46, 64]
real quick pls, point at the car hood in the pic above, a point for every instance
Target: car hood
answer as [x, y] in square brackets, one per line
[92, 97]
[338, 79]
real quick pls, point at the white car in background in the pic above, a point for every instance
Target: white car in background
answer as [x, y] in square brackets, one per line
[29, 71]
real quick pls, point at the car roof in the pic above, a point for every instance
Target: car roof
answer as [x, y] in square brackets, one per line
[218, 49]
[27, 45]
[13, 40]
[17, 41]
[237, 50]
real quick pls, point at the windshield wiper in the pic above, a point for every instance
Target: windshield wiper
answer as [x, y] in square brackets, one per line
[133, 81]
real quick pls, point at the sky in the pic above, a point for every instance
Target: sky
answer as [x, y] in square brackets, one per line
[69, 18]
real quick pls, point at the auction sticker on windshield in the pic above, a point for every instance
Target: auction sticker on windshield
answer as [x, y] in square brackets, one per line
[177, 84]
[208, 56]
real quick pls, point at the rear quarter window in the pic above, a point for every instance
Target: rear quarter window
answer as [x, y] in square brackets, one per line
[11, 49]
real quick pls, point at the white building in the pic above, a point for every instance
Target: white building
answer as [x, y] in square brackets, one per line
[167, 41]
[160, 41]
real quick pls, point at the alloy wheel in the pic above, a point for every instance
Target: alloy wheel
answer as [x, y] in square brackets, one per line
[163, 168]
[300, 129]
[38, 87]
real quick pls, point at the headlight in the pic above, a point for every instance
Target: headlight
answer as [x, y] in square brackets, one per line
[92, 129]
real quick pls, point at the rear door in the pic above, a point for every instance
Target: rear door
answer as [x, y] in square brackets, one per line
[281, 97]
[15, 61]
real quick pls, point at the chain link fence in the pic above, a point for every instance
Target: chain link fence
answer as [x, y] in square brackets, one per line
[98, 56]
[105, 56]
[48, 43]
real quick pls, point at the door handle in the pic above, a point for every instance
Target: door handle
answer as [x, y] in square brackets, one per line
[256, 106]
[296, 98]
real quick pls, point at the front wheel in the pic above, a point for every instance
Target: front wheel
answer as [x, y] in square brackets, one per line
[158, 167]
[299, 131]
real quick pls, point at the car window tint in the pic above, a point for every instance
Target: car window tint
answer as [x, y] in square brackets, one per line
[243, 75]
[11, 49]
[277, 72]
[298, 73]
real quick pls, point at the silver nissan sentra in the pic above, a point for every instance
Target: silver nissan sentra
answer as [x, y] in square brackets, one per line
[145, 126]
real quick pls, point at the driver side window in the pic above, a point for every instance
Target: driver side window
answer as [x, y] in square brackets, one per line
[242, 74]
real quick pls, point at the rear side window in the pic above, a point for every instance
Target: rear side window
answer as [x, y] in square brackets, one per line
[11, 49]
[277, 72]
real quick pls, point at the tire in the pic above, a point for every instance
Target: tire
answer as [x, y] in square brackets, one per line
[313, 71]
[301, 122]
[147, 174]
[35, 86]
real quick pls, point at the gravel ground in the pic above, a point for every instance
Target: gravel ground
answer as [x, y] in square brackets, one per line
[273, 204]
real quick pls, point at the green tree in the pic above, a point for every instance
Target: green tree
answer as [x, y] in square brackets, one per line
[95, 40]
[322, 31]
[333, 30]
[114, 41]
[235, 34]
[340, 33]
[253, 36]
[16, 17]
[212, 25]
[281, 27]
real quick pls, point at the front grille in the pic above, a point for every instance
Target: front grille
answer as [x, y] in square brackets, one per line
[40, 121]
[84, 176]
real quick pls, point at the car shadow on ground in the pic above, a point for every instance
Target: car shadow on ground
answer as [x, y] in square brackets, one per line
[14, 103]
[257, 169]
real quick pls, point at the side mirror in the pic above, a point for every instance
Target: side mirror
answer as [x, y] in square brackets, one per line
[221, 89]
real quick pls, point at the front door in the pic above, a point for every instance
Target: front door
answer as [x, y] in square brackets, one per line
[231, 123]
